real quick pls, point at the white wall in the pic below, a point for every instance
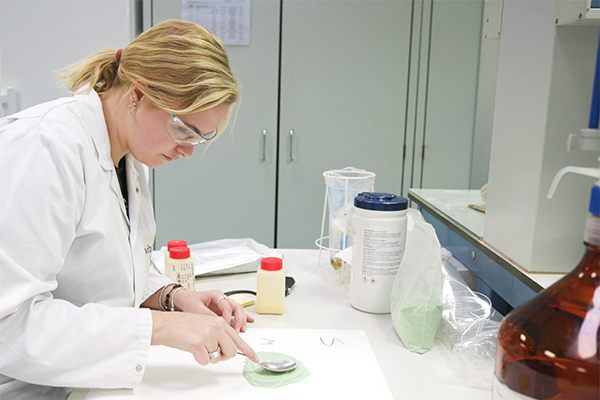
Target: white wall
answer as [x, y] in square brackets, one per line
[38, 37]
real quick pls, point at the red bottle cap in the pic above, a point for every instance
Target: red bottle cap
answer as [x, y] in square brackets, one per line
[271, 264]
[179, 253]
[176, 243]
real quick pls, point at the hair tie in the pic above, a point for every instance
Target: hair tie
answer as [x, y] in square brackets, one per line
[118, 57]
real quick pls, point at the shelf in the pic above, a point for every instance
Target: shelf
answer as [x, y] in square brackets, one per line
[577, 13]
[461, 230]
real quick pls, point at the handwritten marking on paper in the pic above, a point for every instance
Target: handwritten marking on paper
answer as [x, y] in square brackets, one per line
[332, 342]
[269, 342]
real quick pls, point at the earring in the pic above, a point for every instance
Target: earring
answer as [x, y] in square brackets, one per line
[131, 110]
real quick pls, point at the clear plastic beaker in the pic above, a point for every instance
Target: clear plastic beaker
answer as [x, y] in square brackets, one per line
[342, 186]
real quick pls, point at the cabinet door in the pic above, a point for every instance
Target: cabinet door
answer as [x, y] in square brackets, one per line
[227, 189]
[344, 72]
[443, 92]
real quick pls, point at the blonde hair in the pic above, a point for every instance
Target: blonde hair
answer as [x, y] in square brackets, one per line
[180, 66]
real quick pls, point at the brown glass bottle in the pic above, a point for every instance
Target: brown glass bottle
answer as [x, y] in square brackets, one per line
[548, 347]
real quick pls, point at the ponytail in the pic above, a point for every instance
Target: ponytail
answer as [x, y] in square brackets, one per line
[182, 66]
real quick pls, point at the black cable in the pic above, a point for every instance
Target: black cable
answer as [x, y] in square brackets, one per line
[289, 284]
[232, 292]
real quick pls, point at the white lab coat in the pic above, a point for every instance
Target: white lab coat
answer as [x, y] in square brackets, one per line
[73, 267]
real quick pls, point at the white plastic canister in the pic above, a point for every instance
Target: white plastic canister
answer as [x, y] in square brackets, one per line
[379, 238]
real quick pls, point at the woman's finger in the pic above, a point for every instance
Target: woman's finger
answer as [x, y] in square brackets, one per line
[240, 318]
[225, 306]
[228, 348]
[214, 356]
[243, 346]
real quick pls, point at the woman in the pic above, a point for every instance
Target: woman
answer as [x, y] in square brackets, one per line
[80, 301]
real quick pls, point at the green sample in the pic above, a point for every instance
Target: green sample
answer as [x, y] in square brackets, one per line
[257, 376]
[417, 325]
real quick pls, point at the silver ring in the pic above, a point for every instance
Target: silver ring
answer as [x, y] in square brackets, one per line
[215, 353]
[221, 298]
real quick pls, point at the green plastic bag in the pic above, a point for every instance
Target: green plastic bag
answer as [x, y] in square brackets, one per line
[416, 299]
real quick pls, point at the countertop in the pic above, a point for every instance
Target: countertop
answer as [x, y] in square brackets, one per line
[320, 301]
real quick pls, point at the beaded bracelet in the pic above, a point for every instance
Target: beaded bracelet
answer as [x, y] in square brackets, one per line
[160, 296]
[175, 287]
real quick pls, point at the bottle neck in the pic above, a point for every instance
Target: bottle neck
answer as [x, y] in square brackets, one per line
[594, 248]
[591, 234]
[590, 262]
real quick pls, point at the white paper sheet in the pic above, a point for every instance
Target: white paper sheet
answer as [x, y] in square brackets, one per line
[341, 362]
[224, 256]
[228, 19]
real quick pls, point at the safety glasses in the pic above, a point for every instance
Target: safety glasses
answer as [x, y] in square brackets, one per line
[185, 135]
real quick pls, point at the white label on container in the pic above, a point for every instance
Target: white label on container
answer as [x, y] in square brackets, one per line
[382, 252]
[502, 392]
[183, 274]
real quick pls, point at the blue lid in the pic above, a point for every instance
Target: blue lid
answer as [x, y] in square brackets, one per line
[595, 200]
[380, 201]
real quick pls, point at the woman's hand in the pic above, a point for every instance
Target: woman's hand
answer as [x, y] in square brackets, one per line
[200, 335]
[213, 302]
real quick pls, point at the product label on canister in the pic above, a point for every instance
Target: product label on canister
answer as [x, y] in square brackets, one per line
[377, 251]
[381, 252]
[502, 392]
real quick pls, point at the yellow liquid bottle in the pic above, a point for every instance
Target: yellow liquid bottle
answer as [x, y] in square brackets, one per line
[270, 286]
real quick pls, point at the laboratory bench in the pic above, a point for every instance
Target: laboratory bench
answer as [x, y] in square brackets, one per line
[319, 301]
[460, 230]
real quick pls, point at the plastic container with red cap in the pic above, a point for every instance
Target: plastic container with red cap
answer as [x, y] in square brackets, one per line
[270, 286]
[179, 266]
[170, 245]
[176, 243]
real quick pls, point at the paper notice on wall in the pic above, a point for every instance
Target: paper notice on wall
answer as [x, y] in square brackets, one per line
[228, 19]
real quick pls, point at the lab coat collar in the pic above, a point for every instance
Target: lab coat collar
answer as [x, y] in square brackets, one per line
[93, 118]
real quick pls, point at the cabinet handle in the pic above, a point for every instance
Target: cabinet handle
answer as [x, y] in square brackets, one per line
[291, 145]
[264, 145]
